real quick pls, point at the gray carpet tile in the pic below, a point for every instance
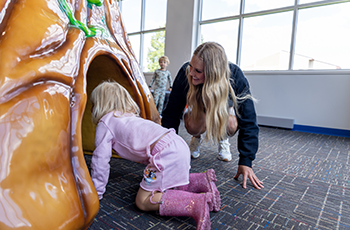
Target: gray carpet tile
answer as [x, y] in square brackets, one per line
[306, 179]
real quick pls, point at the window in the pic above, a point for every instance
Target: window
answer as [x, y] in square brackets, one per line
[225, 33]
[322, 38]
[131, 13]
[266, 42]
[135, 43]
[145, 24]
[279, 35]
[260, 5]
[220, 8]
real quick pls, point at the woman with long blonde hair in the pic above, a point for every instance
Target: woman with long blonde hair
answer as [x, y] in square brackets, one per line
[207, 96]
[207, 86]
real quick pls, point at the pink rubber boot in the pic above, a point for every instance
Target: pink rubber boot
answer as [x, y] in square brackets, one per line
[183, 203]
[204, 182]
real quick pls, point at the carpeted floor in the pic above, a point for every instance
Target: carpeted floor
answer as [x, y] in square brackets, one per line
[306, 179]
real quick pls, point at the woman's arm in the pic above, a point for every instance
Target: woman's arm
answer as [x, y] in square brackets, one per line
[248, 141]
[177, 100]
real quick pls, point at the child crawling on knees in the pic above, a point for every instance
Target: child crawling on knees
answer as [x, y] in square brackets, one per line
[167, 186]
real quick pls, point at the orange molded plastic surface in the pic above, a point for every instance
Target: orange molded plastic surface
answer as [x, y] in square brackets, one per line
[48, 65]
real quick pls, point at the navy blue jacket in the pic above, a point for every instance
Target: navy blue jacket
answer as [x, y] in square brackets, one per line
[248, 129]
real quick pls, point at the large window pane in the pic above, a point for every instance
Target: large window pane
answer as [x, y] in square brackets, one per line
[266, 42]
[155, 14]
[323, 37]
[259, 5]
[219, 8]
[132, 15]
[153, 48]
[307, 1]
[224, 33]
[135, 44]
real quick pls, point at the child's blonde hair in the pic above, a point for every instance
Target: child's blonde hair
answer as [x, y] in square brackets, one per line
[165, 58]
[110, 96]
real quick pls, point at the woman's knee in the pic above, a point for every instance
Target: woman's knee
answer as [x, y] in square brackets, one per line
[193, 127]
[193, 130]
[232, 125]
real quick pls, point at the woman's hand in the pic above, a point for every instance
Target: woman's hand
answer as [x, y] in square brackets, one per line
[247, 172]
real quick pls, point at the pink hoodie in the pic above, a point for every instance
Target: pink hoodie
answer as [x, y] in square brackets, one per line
[130, 136]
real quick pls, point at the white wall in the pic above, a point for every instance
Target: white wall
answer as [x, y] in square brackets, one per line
[180, 32]
[311, 98]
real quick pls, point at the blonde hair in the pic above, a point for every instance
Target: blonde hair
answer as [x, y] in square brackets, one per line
[165, 58]
[212, 96]
[110, 96]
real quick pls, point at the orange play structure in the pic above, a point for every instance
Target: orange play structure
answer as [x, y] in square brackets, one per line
[52, 54]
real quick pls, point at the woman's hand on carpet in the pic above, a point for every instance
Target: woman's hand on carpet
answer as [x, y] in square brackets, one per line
[248, 172]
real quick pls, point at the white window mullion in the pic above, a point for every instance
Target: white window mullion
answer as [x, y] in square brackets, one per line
[294, 31]
[142, 26]
[240, 33]
[198, 25]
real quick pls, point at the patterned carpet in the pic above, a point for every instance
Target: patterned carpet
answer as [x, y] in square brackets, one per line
[306, 179]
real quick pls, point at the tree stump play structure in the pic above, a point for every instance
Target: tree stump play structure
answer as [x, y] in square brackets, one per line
[52, 54]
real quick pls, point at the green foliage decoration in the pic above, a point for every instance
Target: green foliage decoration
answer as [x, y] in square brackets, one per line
[89, 31]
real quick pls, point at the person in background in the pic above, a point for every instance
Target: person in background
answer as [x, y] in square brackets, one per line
[207, 86]
[167, 186]
[160, 78]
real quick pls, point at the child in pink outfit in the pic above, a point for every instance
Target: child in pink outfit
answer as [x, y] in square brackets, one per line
[167, 186]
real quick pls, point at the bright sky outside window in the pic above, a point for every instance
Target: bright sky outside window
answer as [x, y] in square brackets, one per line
[219, 8]
[224, 33]
[260, 5]
[155, 15]
[266, 42]
[323, 37]
[135, 44]
[307, 1]
[132, 15]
